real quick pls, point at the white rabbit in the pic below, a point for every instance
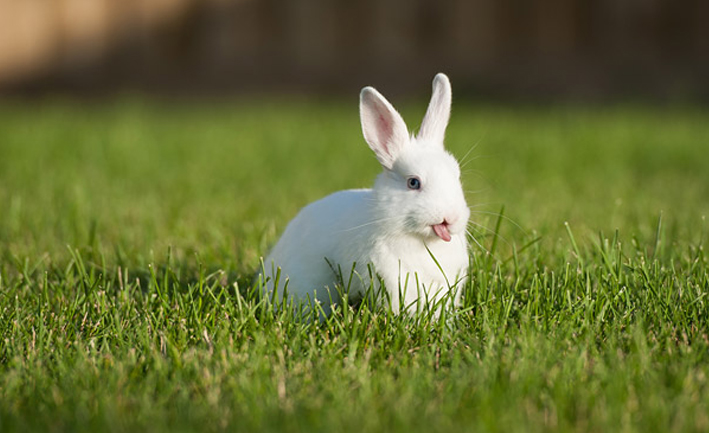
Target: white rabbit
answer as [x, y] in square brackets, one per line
[416, 212]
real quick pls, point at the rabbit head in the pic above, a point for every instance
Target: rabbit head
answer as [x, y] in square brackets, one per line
[419, 192]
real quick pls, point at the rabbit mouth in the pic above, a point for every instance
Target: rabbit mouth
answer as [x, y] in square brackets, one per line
[441, 230]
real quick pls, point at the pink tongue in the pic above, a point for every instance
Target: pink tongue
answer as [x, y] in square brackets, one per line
[441, 231]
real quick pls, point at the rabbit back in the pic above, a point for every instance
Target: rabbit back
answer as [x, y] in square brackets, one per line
[333, 232]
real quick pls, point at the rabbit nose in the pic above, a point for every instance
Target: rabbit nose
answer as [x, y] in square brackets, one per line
[449, 221]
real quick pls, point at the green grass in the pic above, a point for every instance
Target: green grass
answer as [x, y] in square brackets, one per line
[129, 233]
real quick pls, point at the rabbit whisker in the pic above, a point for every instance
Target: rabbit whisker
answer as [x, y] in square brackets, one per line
[476, 241]
[474, 158]
[474, 172]
[377, 221]
[476, 191]
[508, 219]
[464, 160]
[489, 230]
[471, 207]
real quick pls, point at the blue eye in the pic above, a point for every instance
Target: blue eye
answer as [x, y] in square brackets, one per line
[413, 182]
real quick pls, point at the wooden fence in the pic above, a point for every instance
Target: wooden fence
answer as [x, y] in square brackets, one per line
[537, 48]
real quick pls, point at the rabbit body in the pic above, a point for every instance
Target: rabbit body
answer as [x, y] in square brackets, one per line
[409, 228]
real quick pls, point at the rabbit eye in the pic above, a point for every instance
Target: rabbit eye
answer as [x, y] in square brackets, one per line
[413, 182]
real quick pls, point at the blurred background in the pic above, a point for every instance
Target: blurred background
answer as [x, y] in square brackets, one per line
[579, 50]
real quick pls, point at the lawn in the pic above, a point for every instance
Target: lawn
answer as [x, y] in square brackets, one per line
[130, 231]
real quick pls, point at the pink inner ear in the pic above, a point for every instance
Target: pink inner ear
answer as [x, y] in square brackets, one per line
[385, 132]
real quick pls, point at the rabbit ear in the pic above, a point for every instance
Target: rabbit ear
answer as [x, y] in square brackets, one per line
[433, 127]
[382, 126]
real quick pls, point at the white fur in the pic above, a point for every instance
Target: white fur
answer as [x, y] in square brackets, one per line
[389, 226]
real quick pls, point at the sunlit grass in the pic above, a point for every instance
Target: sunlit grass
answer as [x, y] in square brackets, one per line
[130, 233]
